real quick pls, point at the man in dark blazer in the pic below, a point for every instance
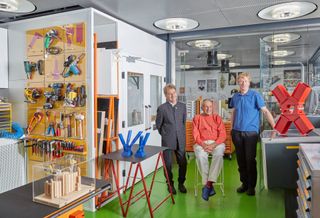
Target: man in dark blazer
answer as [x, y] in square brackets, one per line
[170, 122]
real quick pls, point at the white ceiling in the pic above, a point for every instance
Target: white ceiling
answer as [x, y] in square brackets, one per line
[211, 14]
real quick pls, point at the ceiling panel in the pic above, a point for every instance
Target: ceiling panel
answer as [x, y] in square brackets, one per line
[227, 4]
[42, 5]
[215, 20]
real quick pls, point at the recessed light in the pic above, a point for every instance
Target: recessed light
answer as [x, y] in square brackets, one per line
[204, 44]
[185, 66]
[282, 38]
[17, 6]
[280, 62]
[288, 10]
[176, 24]
[233, 64]
[282, 53]
[222, 56]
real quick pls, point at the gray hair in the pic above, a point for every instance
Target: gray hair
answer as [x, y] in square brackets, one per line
[206, 100]
[169, 86]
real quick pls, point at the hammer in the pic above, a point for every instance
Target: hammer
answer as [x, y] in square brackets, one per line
[80, 118]
[69, 124]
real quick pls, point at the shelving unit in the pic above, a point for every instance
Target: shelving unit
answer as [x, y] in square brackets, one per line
[5, 116]
[308, 184]
[107, 106]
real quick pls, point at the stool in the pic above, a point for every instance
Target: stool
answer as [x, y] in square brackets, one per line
[219, 182]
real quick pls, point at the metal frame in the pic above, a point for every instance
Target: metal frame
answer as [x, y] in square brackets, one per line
[220, 181]
[142, 193]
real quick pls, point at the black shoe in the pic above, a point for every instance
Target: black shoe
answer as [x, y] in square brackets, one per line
[242, 189]
[251, 192]
[182, 188]
[173, 189]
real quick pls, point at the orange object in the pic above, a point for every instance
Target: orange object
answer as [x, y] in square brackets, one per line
[77, 214]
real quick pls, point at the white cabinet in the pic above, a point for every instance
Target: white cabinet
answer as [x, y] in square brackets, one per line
[3, 58]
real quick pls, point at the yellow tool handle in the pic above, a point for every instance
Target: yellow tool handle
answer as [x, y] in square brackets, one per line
[291, 147]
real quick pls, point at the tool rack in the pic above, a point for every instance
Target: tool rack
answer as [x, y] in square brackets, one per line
[5, 116]
[55, 66]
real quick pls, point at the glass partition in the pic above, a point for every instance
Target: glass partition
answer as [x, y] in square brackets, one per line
[135, 99]
[155, 95]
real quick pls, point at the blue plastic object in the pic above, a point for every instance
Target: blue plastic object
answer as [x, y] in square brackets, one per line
[127, 152]
[16, 134]
[143, 141]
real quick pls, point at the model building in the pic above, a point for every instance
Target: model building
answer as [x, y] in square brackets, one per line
[63, 184]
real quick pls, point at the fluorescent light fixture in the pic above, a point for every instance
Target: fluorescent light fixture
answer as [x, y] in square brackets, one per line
[17, 6]
[282, 38]
[223, 56]
[176, 24]
[280, 62]
[282, 53]
[185, 66]
[233, 64]
[288, 10]
[204, 44]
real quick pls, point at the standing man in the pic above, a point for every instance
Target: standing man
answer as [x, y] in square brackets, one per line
[245, 121]
[170, 122]
[209, 134]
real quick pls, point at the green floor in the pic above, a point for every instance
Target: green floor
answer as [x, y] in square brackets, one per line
[268, 204]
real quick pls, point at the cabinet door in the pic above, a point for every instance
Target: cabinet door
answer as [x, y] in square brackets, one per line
[3, 58]
[281, 162]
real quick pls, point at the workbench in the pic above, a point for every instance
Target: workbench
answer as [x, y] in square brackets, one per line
[279, 156]
[18, 202]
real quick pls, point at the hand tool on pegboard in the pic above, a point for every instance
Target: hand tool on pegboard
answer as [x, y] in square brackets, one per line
[32, 95]
[71, 65]
[30, 67]
[35, 120]
[80, 118]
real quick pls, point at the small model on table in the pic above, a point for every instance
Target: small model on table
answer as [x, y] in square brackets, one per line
[63, 184]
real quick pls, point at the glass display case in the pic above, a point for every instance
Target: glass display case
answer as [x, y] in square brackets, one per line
[59, 182]
[155, 95]
[135, 99]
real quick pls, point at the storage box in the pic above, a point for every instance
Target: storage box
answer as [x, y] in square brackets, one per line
[61, 181]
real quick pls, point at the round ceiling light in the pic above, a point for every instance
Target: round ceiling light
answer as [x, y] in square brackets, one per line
[17, 6]
[176, 24]
[204, 44]
[185, 66]
[282, 53]
[288, 10]
[282, 38]
[223, 56]
[280, 62]
[233, 64]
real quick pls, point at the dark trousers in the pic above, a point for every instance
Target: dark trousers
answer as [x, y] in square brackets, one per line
[246, 150]
[182, 162]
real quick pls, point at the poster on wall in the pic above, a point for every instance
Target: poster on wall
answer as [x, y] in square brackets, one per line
[232, 81]
[212, 85]
[291, 77]
[201, 85]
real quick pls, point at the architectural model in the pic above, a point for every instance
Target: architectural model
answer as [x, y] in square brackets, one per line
[63, 184]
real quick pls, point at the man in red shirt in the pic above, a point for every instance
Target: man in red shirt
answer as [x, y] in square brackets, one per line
[209, 134]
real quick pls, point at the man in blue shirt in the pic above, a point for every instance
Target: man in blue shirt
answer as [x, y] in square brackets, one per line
[245, 121]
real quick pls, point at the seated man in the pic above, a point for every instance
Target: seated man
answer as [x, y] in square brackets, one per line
[209, 134]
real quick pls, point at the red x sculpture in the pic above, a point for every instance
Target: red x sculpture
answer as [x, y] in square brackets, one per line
[291, 107]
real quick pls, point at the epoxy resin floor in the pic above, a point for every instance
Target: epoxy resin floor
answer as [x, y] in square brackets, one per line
[266, 203]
